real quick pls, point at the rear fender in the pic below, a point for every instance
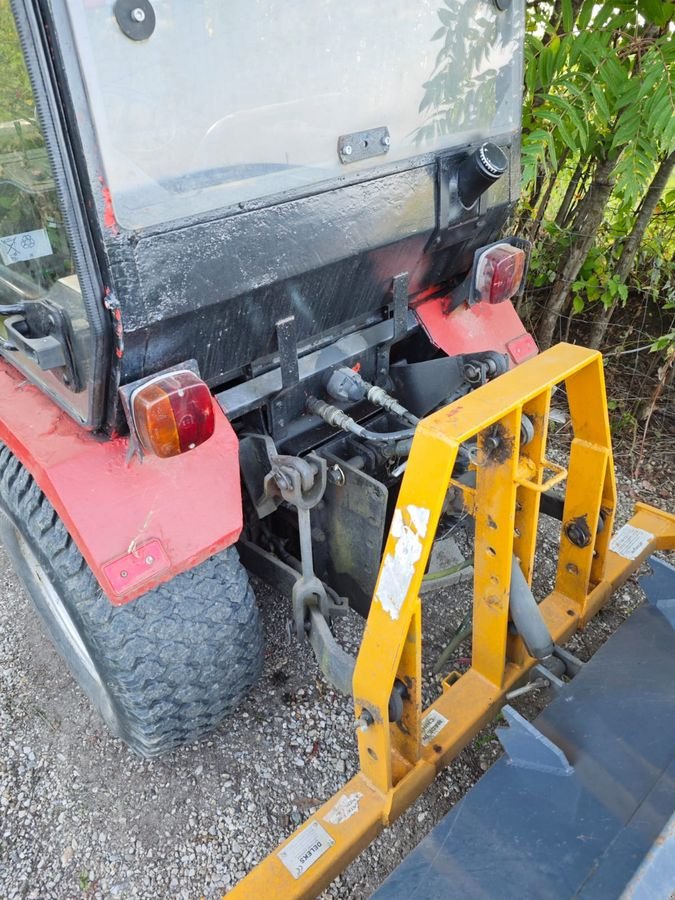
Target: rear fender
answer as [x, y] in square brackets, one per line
[474, 329]
[137, 524]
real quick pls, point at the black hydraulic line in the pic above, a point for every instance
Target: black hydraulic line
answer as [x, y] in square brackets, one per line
[339, 419]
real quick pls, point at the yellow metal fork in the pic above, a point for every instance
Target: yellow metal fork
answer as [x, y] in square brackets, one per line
[398, 760]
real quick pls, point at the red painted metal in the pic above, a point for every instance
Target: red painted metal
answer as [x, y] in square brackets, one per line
[473, 329]
[178, 511]
[144, 561]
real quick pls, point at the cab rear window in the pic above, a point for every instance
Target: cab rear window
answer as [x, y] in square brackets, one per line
[220, 103]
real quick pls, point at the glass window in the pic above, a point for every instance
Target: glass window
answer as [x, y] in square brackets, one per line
[35, 258]
[231, 101]
[34, 250]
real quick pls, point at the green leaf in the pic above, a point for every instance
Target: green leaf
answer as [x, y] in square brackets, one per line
[567, 15]
[585, 14]
[601, 102]
[657, 12]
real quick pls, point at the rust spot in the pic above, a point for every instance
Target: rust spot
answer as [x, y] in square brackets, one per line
[494, 602]
[491, 522]
[497, 444]
[438, 748]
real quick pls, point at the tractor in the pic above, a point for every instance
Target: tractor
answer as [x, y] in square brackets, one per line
[257, 298]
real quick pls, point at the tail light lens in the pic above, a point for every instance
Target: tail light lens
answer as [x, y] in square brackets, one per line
[173, 414]
[499, 273]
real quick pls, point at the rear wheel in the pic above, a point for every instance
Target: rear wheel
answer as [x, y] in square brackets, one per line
[162, 670]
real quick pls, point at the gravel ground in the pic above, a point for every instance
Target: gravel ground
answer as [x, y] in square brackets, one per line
[80, 816]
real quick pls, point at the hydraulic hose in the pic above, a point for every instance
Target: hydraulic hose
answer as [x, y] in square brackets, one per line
[339, 419]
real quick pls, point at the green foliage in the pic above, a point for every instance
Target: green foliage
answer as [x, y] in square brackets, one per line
[16, 96]
[602, 86]
[599, 91]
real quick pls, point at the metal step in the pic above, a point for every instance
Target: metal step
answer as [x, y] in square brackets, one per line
[529, 829]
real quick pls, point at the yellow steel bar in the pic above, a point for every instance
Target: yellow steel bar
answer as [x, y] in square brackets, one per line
[588, 409]
[583, 501]
[399, 762]
[527, 501]
[391, 643]
[480, 409]
[493, 550]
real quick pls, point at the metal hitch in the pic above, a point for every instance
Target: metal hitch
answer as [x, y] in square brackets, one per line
[398, 760]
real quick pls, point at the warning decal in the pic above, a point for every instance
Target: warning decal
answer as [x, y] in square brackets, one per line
[629, 541]
[432, 723]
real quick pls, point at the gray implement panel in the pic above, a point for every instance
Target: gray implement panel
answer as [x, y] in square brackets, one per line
[526, 833]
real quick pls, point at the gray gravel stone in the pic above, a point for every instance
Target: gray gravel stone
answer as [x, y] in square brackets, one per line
[81, 817]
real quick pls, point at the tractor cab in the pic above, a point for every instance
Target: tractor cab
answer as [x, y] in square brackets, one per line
[201, 174]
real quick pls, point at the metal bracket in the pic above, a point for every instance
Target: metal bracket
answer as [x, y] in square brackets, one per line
[335, 663]
[528, 748]
[301, 483]
[44, 333]
[287, 341]
[363, 144]
[400, 304]
[573, 665]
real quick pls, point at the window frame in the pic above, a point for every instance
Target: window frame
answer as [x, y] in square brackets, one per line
[50, 107]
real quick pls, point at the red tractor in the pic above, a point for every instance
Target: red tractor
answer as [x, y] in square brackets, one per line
[251, 268]
[202, 266]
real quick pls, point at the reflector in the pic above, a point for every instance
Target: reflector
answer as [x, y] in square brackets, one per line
[499, 273]
[173, 414]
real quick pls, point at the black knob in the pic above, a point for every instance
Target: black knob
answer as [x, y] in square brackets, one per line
[478, 171]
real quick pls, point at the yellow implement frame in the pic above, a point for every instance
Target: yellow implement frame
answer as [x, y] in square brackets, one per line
[399, 760]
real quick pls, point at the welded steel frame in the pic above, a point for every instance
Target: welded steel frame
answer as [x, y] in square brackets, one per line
[399, 760]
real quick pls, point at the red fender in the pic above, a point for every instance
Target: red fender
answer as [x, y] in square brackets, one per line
[136, 524]
[472, 329]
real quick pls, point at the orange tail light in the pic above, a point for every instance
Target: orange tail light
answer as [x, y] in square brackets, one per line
[173, 414]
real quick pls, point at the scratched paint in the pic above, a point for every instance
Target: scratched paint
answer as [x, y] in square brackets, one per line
[399, 567]
[109, 219]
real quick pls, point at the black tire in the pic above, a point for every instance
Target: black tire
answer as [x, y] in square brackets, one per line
[162, 670]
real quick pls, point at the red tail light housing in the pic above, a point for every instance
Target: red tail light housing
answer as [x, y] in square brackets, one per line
[499, 273]
[172, 413]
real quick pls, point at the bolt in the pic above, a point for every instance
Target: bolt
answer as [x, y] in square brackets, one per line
[492, 443]
[336, 475]
[149, 560]
[386, 140]
[347, 149]
[138, 15]
[364, 721]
